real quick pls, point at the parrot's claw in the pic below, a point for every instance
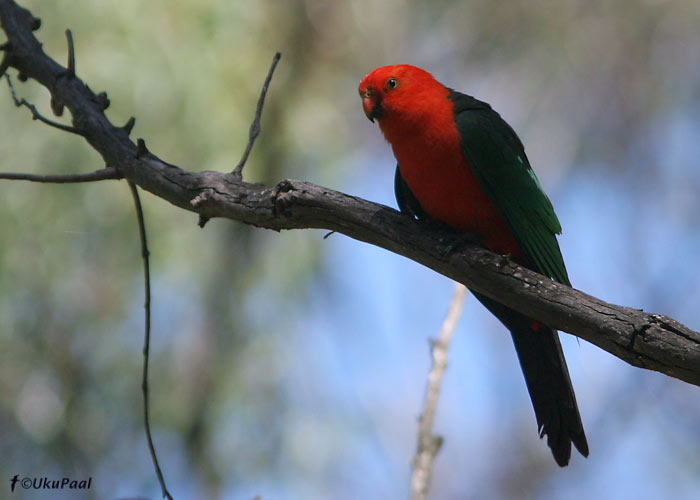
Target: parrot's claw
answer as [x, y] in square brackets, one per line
[457, 242]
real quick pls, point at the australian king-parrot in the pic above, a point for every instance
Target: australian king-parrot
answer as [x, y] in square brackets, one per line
[461, 164]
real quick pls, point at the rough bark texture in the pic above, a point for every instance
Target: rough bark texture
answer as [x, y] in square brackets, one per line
[645, 340]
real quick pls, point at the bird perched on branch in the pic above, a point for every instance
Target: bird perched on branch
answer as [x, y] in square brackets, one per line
[461, 164]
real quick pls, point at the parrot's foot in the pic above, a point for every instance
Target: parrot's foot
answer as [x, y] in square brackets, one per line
[457, 241]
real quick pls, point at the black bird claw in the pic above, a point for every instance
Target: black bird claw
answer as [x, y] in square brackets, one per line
[458, 241]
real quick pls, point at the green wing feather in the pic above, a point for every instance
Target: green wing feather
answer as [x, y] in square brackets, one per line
[498, 161]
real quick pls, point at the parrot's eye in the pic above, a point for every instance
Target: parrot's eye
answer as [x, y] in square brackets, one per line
[392, 83]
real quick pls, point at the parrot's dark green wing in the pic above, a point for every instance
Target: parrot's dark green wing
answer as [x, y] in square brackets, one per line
[407, 201]
[497, 160]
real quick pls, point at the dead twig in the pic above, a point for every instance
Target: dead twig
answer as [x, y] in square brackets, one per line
[147, 336]
[255, 126]
[428, 443]
[70, 70]
[98, 175]
[38, 116]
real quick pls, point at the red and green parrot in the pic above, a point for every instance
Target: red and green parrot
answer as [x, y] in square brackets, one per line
[461, 164]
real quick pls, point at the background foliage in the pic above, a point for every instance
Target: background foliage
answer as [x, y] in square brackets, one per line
[291, 366]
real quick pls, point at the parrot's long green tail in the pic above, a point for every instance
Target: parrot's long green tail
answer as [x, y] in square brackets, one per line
[547, 379]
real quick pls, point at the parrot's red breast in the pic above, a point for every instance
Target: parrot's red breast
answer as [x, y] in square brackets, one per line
[416, 117]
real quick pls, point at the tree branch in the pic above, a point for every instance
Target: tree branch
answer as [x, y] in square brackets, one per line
[98, 175]
[428, 443]
[255, 126]
[147, 336]
[70, 70]
[645, 340]
[38, 116]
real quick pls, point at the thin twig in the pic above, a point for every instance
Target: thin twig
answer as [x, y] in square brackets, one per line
[129, 125]
[255, 126]
[70, 70]
[4, 64]
[38, 116]
[147, 336]
[428, 443]
[97, 175]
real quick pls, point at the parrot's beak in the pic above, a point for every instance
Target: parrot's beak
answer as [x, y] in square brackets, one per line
[367, 107]
[370, 104]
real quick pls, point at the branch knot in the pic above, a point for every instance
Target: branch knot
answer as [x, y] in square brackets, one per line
[282, 197]
[203, 198]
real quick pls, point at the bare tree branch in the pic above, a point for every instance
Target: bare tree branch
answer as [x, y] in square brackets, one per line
[255, 126]
[147, 336]
[98, 175]
[70, 70]
[645, 340]
[38, 116]
[428, 443]
[254, 129]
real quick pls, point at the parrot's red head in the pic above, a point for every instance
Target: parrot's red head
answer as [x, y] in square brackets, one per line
[396, 89]
[404, 99]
